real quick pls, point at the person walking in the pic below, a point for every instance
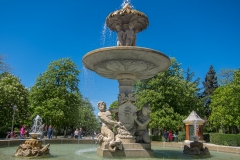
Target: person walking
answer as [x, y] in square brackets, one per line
[22, 132]
[76, 133]
[50, 132]
[80, 133]
[165, 135]
[170, 136]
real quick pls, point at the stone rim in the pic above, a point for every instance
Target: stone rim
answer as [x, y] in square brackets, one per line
[95, 57]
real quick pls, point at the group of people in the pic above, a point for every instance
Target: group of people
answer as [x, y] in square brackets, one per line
[11, 135]
[168, 136]
[78, 133]
[23, 132]
[46, 131]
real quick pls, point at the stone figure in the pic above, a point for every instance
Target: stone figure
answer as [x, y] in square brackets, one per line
[107, 136]
[32, 149]
[129, 35]
[142, 119]
[135, 37]
[120, 33]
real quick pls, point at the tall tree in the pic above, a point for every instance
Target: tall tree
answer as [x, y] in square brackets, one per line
[13, 93]
[170, 96]
[4, 67]
[225, 76]
[55, 95]
[210, 84]
[225, 106]
[87, 119]
[114, 105]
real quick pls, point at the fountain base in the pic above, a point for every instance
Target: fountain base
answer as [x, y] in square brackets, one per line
[196, 148]
[32, 148]
[130, 150]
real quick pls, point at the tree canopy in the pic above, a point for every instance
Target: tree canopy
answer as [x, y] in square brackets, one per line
[87, 120]
[4, 67]
[210, 84]
[170, 96]
[13, 93]
[225, 104]
[225, 76]
[55, 95]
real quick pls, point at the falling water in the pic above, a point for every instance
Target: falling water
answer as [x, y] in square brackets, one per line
[108, 37]
[125, 2]
[88, 80]
[37, 123]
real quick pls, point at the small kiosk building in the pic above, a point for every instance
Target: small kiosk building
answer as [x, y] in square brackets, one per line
[194, 127]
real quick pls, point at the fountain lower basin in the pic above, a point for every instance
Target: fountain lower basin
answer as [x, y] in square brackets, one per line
[88, 152]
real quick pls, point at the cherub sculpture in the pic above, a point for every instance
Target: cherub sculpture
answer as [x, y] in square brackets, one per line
[107, 136]
[120, 33]
[129, 35]
[142, 119]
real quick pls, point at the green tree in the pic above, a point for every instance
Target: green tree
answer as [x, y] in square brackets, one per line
[87, 118]
[113, 109]
[170, 96]
[225, 76]
[13, 93]
[189, 78]
[210, 84]
[236, 100]
[225, 106]
[114, 105]
[4, 67]
[55, 95]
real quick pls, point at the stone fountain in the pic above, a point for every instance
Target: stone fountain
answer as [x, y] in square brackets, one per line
[196, 147]
[126, 63]
[33, 147]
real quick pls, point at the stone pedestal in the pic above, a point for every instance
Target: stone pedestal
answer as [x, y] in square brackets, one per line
[196, 148]
[130, 150]
[32, 148]
[197, 144]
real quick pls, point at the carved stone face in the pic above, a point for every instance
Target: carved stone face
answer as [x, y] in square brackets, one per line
[118, 28]
[131, 25]
[146, 110]
[102, 106]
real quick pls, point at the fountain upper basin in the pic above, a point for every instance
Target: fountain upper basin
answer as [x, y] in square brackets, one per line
[137, 62]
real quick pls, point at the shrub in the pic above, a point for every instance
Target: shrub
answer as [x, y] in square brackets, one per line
[181, 136]
[206, 137]
[156, 138]
[225, 139]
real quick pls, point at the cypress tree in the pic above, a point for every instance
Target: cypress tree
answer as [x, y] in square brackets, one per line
[210, 84]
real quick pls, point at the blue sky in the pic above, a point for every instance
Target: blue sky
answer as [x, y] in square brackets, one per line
[198, 33]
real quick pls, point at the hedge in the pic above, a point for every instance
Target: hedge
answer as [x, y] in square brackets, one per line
[225, 139]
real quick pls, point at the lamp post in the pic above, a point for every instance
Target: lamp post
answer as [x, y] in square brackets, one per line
[14, 109]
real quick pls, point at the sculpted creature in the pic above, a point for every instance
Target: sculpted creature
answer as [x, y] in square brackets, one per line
[120, 33]
[107, 136]
[26, 150]
[142, 119]
[129, 35]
